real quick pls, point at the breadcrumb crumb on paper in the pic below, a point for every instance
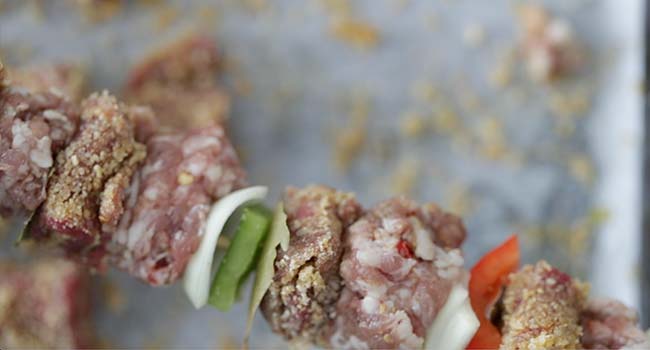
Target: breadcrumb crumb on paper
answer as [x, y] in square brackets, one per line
[412, 124]
[405, 177]
[575, 103]
[583, 229]
[356, 33]
[459, 199]
[581, 168]
[501, 75]
[445, 120]
[491, 138]
[349, 140]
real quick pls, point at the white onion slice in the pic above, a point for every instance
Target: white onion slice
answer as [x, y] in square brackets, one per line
[455, 324]
[197, 277]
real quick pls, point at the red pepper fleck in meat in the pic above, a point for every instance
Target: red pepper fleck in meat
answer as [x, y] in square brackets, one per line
[404, 249]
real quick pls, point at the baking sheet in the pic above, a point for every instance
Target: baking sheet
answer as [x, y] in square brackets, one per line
[308, 93]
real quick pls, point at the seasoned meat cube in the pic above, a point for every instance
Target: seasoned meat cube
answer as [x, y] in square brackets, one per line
[59, 79]
[608, 324]
[300, 304]
[168, 202]
[85, 192]
[542, 309]
[401, 261]
[178, 82]
[44, 305]
[34, 126]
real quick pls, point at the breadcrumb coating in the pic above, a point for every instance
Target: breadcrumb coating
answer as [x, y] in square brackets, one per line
[300, 304]
[542, 308]
[84, 190]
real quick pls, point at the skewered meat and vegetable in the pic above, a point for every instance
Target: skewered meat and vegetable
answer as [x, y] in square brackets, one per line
[123, 189]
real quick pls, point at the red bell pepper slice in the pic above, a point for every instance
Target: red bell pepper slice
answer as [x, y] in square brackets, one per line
[487, 278]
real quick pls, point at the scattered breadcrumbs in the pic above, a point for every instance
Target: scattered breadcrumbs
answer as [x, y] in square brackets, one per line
[491, 138]
[501, 75]
[467, 98]
[570, 104]
[350, 139]
[583, 229]
[356, 33]
[412, 124]
[458, 199]
[575, 236]
[581, 168]
[405, 176]
[445, 120]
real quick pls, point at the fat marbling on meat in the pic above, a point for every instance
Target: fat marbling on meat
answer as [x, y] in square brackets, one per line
[401, 261]
[169, 199]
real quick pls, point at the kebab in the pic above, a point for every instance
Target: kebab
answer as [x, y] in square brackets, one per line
[143, 209]
[328, 271]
